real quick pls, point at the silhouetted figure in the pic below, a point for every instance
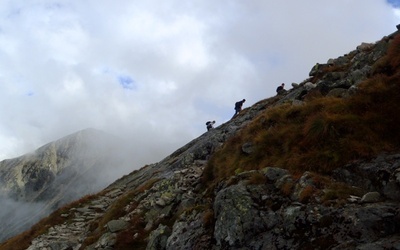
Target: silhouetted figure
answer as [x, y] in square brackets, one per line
[209, 125]
[281, 89]
[238, 107]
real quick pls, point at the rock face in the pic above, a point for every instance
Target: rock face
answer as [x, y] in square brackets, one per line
[175, 215]
[53, 175]
[166, 205]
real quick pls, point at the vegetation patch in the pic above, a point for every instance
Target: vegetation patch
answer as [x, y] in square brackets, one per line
[337, 192]
[321, 135]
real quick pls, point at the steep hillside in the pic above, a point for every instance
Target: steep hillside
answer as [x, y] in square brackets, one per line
[317, 167]
[36, 184]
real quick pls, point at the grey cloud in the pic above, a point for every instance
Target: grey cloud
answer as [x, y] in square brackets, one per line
[189, 63]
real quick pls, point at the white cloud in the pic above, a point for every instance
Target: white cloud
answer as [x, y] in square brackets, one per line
[153, 71]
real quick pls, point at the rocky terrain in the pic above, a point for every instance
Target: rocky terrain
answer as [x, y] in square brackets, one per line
[36, 184]
[171, 205]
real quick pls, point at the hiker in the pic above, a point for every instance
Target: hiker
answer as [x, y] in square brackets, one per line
[209, 125]
[281, 89]
[238, 107]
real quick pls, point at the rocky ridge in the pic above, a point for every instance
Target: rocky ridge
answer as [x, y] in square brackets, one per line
[166, 206]
[53, 175]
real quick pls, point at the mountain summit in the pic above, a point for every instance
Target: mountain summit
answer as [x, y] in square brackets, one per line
[315, 167]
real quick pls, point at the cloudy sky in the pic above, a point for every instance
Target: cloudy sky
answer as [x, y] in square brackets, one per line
[153, 72]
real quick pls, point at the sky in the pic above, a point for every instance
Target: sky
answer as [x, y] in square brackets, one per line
[153, 72]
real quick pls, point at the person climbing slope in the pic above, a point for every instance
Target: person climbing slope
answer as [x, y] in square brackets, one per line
[281, 89]
[209, 125]
[238, 107]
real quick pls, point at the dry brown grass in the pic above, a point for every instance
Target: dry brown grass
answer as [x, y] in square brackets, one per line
[257, 178]
[306, 194]
[321, 135]
[394, 53]
[338, 192]
[287, 188]
[208, 218]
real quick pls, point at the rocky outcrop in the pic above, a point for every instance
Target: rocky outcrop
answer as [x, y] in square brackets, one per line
[340, 77]
[381, 174]
[241, 216]
[263, 217]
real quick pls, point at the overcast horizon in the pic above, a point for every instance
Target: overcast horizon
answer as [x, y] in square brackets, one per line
[154, 72]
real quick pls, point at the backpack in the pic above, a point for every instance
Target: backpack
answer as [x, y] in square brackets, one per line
[237, 105]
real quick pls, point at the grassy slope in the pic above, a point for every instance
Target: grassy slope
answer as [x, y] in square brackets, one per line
[324, 133]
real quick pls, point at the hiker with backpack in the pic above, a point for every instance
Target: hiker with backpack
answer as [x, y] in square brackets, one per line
[281, 89]
[209, 125]
[238, 107]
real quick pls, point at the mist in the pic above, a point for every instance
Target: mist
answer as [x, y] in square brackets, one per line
[17, 216]
[58, 173]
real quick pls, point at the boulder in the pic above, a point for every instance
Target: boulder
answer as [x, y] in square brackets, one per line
[273, 174]
[247, 148]
[158, 238]
[236, 219]
[371, 197]
[338, 92]
[365, 46]
[117, 225]
[189, 232]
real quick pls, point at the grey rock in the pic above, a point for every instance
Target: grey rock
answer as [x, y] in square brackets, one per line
[273, 174]
[318, 69]
[247, 148]
[189, 232]
[160, 202]
[338, 92]
[310, 85]
[106, 240]
[365, 46]
[236, 218]
[117, 225]
[371, 197]
[158, 238]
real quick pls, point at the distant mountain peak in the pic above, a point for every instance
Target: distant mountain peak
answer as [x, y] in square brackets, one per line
[60, 172]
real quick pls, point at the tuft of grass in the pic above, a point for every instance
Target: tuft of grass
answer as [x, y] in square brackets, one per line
[393, 53]
[287, 188]
[338, 192]
[306, 194]
[257, 178]
[208, 218]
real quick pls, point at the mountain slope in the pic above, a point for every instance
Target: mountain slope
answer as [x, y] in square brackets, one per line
[310, 169]
[35, 184]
